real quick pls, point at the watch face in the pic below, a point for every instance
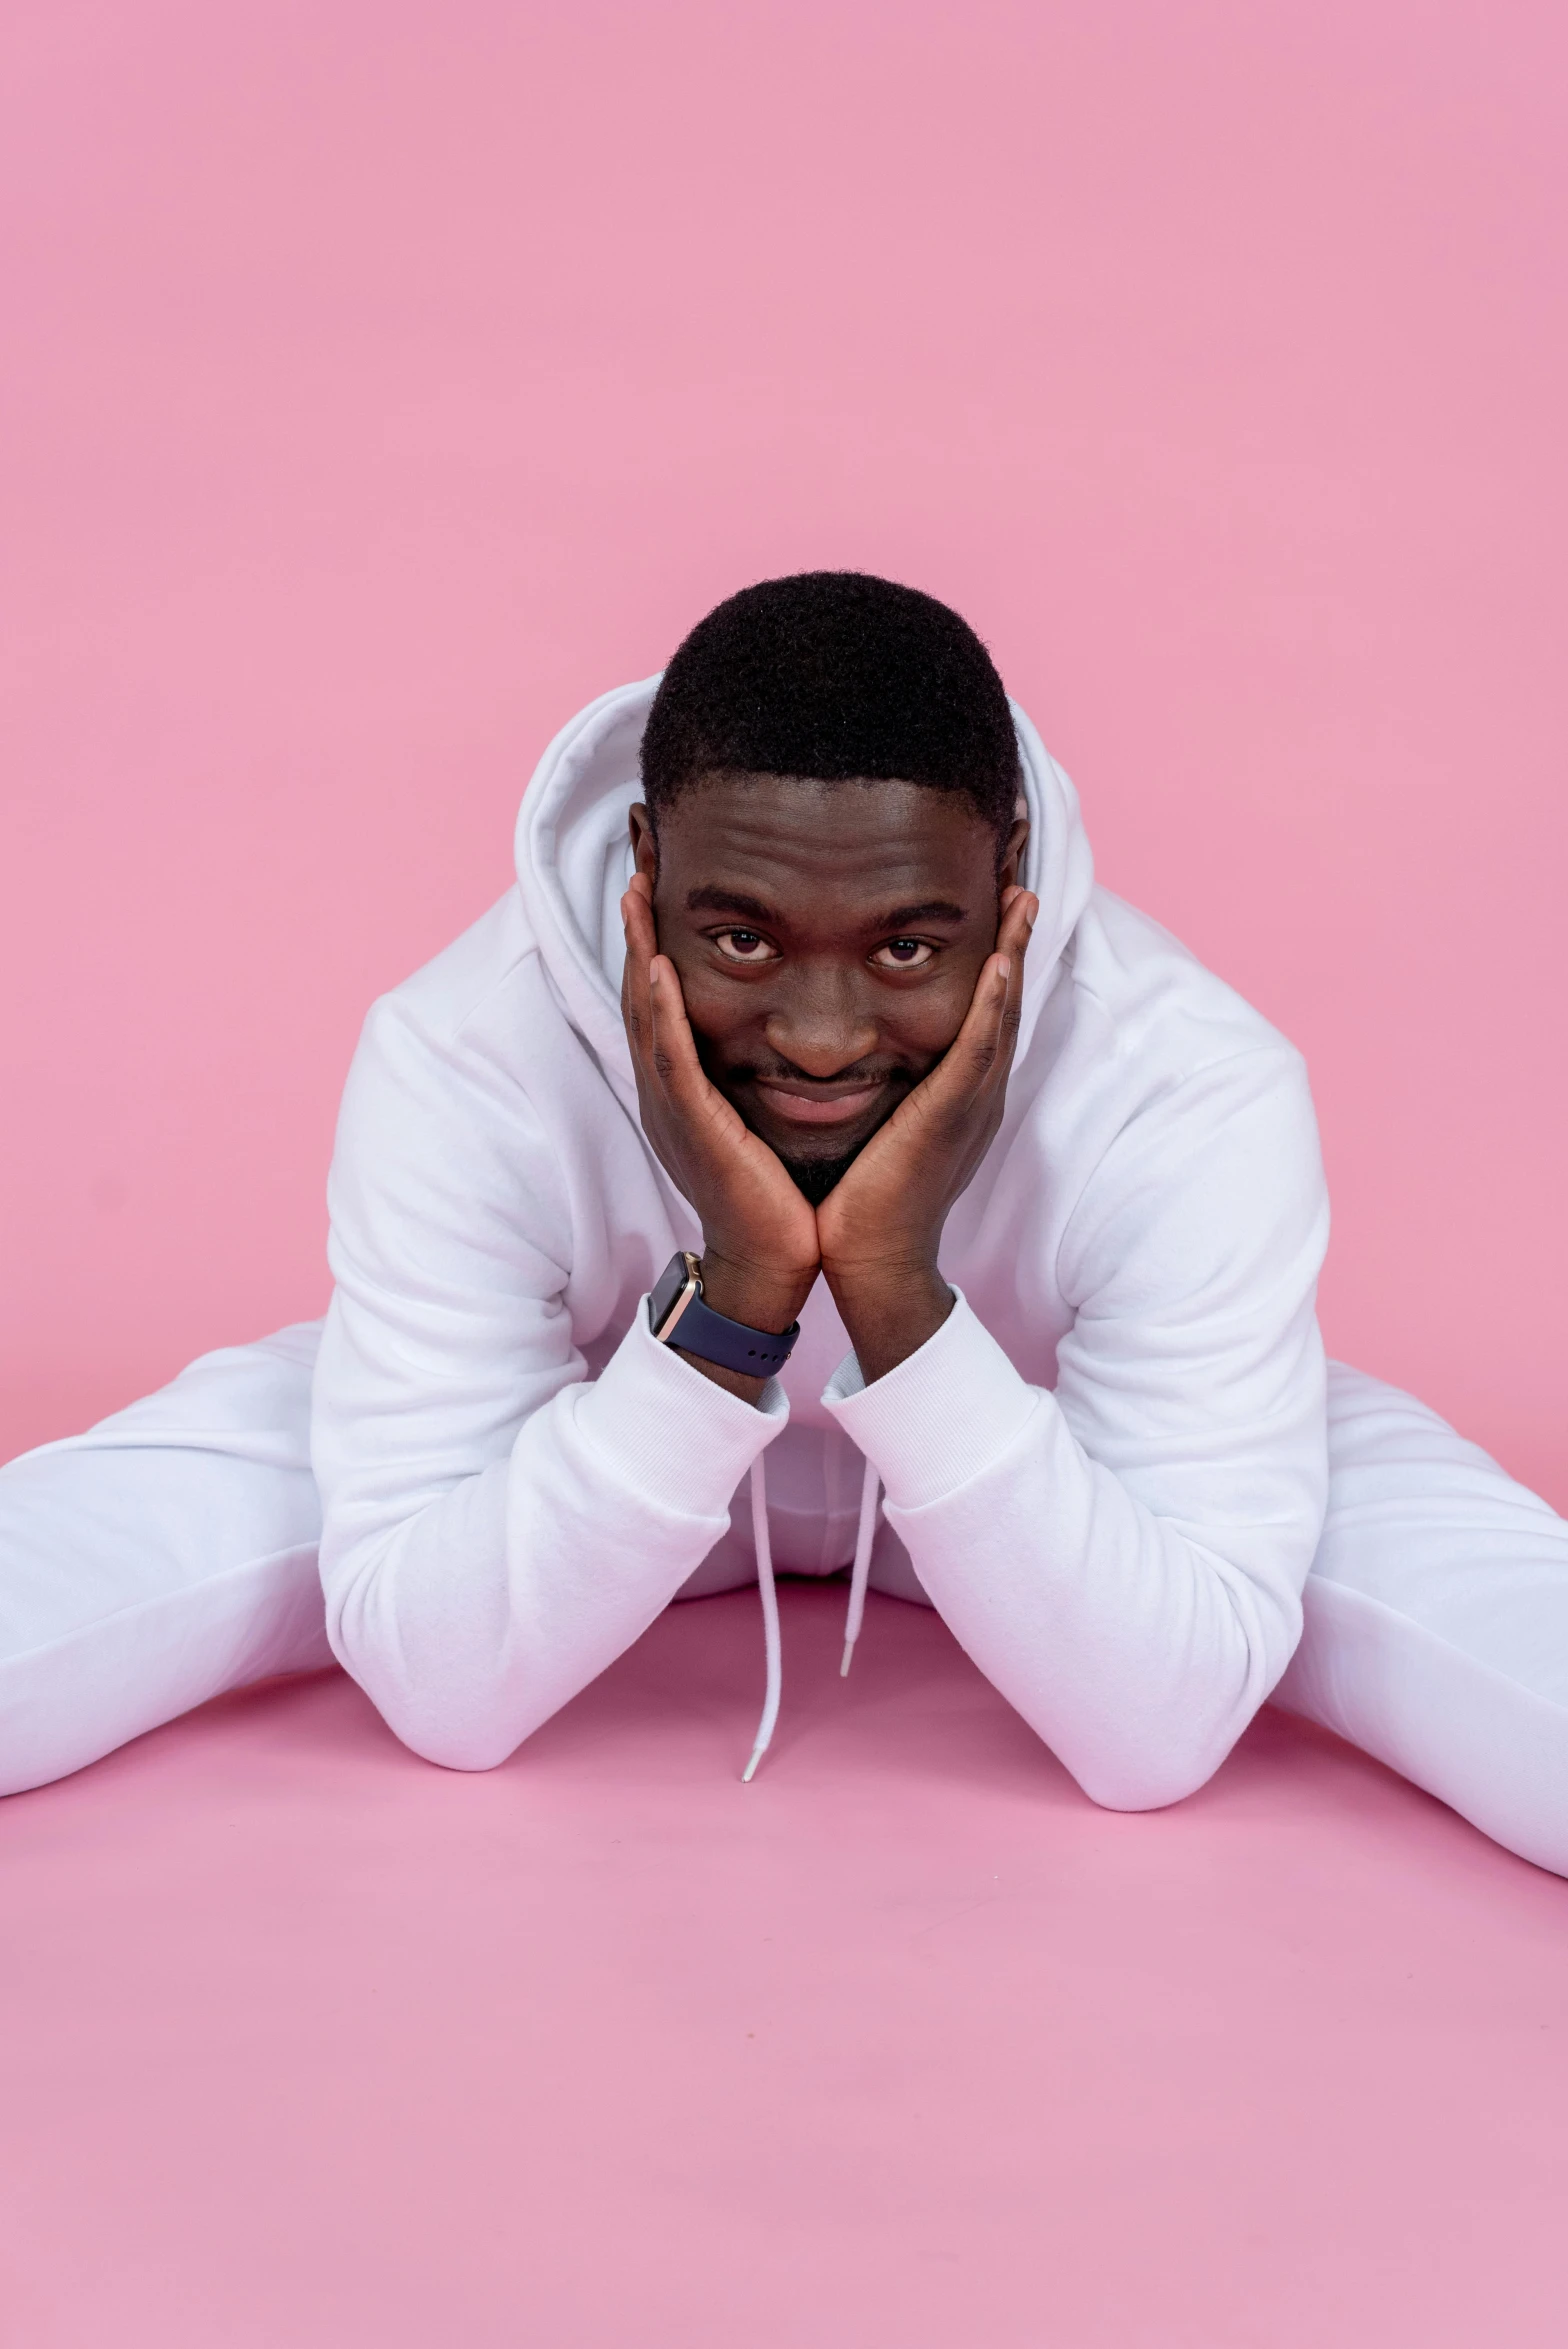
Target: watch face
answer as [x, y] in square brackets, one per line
[666, 1290]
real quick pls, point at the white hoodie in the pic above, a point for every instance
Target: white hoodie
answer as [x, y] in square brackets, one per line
[1107, 1469]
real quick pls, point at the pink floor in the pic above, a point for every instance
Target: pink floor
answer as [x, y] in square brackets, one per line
[305, 2042]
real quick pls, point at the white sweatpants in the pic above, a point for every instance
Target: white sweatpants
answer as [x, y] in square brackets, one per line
[170, 1554]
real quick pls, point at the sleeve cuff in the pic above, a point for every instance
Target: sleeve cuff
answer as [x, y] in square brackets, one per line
[678, 1439]
[938, 1420]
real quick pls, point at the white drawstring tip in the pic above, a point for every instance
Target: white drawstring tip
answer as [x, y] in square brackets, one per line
[860, 1573]
[770, 1618]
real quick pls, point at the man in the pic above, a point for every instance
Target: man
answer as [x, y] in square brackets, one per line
[806, 1114]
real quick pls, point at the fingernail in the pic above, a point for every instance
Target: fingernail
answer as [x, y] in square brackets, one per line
[1006, 962]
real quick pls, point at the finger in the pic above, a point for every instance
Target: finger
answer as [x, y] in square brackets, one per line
[637, 914]
[672, 1046]
[689, 1092]
[1020, 911]
[964, 1070]
[981, 1054]
[642, 944]
[994, 1013]
[1018, 920]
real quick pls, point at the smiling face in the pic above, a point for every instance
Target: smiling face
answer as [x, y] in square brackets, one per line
[828, 937]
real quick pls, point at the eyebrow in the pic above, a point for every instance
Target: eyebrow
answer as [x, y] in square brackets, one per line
[902, 917]
[934, 909]
[710, 900]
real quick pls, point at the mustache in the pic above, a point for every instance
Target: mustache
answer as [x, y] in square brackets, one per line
[784, 1072]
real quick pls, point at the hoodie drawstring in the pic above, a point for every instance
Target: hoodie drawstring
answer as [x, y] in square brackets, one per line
[860, 1575]
[770, 1616]
[865, 1534]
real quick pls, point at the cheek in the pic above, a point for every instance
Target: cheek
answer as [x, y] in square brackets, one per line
[715, 1005]
[926, 1019]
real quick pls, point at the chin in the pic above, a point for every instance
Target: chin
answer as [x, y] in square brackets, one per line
[815, 1177]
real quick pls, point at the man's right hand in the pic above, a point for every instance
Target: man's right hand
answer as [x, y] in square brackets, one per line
[760, 1255]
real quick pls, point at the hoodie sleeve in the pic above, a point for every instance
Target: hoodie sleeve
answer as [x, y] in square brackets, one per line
[1124, 1557]
[498, 1527]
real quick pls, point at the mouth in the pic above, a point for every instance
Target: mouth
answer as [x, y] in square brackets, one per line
[818, 1105]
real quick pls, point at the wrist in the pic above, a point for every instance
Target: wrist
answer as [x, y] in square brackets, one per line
[757, 1296]
[876, 1279]
[890, 1309]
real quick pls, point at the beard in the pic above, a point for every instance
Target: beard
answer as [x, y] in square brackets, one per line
[815, 1177]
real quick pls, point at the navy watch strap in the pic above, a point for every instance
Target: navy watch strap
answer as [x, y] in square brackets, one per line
[758, 1353]
[713, 1337]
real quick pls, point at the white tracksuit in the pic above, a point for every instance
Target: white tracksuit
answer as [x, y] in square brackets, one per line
[1109, 1470]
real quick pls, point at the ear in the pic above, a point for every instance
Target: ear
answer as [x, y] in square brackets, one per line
[1011, 865]
[645, 845]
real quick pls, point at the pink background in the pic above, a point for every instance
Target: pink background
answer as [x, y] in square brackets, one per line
[381, 381]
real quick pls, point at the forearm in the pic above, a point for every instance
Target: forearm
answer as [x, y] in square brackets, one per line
[1136, 1651]
[472, 1613]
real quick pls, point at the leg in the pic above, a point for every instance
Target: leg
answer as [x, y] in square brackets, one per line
[1437, 1619]
[165, 1556]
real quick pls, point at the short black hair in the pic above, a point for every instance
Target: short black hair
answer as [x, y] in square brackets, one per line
[834, 675]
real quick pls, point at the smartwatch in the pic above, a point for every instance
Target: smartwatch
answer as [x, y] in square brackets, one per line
[678, 1316]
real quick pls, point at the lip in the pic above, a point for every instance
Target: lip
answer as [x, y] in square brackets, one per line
[818, 1109]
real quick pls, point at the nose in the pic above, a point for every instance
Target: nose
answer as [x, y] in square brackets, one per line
[820, 1021]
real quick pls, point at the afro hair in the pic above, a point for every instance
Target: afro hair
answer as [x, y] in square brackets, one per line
[836, 676]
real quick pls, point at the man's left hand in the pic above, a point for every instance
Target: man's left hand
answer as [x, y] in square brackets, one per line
[881, 1225]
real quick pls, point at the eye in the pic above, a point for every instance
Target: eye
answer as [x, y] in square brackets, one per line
[903, 954]
[747, 946]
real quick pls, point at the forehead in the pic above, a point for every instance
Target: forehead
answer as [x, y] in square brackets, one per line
[791, 840]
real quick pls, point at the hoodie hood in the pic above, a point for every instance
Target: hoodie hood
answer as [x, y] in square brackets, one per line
[574, 861]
